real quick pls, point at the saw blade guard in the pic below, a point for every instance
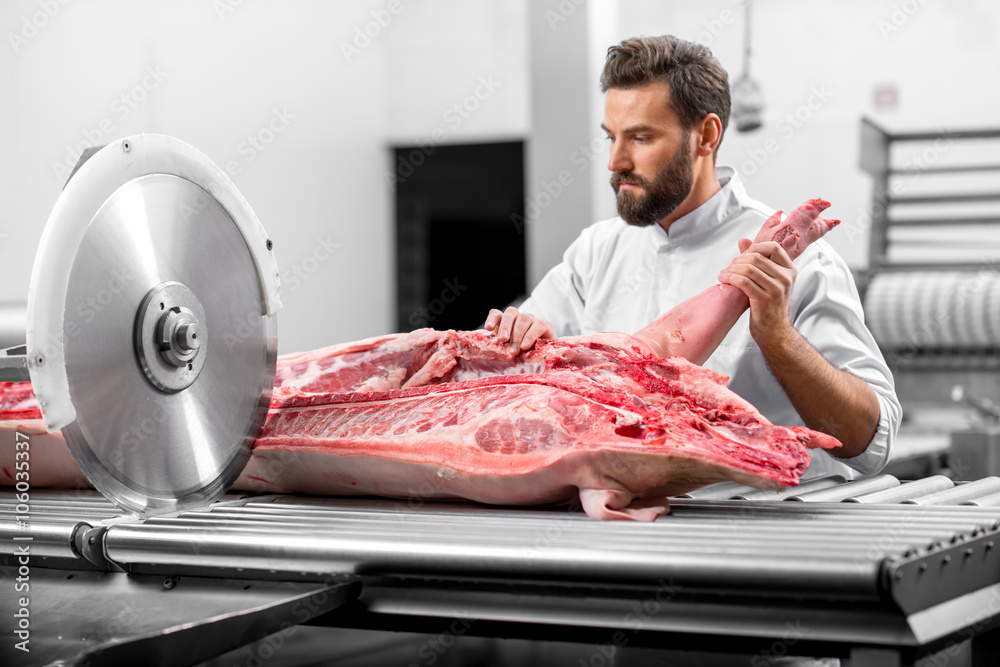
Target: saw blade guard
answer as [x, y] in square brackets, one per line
[151, 336]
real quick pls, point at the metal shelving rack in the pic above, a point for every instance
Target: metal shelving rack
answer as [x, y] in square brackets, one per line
[876, 147]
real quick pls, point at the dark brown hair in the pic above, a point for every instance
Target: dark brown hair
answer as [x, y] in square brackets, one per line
[698, 84]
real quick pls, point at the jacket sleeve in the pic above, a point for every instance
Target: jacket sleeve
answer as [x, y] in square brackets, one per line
[826, 310]
[560, 297]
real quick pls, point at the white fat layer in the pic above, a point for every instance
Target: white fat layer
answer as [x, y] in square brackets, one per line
[528, 368]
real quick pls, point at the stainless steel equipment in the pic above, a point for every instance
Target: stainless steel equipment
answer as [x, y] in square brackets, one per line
[150, 330]
[932, 290]
[860, 575]
[150, 342]
[13, 323]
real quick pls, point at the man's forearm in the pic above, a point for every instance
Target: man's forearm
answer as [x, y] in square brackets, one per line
[828, 399]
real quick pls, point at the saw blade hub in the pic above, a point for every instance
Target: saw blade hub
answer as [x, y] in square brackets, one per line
[169, 335]
[177, 334]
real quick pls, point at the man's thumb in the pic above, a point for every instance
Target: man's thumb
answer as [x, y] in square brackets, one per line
[744, 244]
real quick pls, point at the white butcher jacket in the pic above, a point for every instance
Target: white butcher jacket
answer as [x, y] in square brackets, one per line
[616, 277]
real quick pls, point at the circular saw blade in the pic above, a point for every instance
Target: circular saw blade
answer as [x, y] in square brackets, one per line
[148, 449]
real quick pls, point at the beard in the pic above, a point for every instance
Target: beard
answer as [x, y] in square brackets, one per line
[669, 187]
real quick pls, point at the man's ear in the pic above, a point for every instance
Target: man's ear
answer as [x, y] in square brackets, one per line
[709, 133]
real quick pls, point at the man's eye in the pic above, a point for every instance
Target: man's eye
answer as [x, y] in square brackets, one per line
[641, 140]
[610, 138]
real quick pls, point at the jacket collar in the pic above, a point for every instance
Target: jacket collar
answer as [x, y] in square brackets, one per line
[720, 207]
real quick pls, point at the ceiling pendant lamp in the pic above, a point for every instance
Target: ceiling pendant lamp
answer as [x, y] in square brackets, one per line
[747, 99]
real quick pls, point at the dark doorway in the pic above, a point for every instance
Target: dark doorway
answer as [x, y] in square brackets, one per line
[459, 232]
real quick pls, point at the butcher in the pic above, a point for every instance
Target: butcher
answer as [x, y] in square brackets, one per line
[802, 353]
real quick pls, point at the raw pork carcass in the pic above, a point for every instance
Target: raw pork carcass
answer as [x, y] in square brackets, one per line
[604, 418]
[594, 417]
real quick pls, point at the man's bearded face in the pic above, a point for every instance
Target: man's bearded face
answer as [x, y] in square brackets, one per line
[669, 186]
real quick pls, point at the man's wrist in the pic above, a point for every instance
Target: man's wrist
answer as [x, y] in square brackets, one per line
[777, 342]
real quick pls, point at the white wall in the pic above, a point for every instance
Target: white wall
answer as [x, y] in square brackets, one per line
[448, 51]
[223, 73]
[557, 186]
[943, 57]
[226, 67]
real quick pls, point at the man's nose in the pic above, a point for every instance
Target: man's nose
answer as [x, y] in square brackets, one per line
[619, 159]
